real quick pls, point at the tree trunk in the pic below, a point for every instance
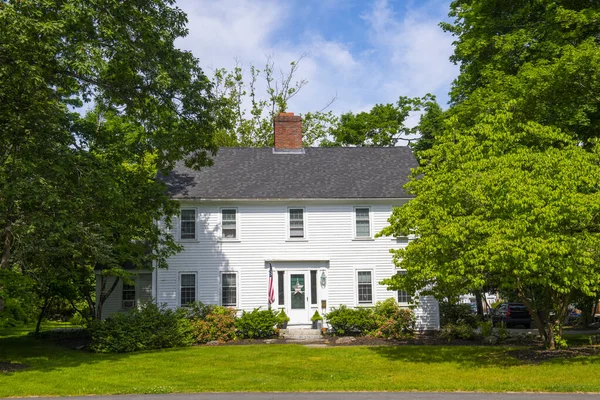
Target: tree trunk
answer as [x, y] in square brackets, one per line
[104, 295]
[41, 315]
[479, 301]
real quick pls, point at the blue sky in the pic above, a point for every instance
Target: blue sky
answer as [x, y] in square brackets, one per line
[364, 51]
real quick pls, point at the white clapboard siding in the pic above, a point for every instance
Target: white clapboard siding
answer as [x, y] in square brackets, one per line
[263, 237]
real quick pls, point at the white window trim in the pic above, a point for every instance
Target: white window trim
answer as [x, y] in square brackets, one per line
[195, 209]
[403, 303]
[179, 285]
[136, 297]
[288, 238]
[370, 237]
[372, 271]
[237, 289]
[237, 225]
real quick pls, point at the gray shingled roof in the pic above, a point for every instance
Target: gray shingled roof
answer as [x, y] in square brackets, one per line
[319, 173]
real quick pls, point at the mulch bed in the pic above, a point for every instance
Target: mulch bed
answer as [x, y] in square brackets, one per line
[538, 355]
[10, 367]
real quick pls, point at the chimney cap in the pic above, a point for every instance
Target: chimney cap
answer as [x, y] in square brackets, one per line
[286, 114]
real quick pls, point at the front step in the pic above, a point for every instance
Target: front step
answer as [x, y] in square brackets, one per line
[301, 334]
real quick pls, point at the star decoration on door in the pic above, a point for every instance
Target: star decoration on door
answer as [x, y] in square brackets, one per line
[298, 287]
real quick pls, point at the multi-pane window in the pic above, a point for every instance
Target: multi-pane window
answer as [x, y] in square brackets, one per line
[365, 287]
[280, 285]
[403, 296]
[362, 222]
[229, 223]
[313, 287]
[296, 222]
[188, 289]
[188, 224]
[228, 290]
[128, 296]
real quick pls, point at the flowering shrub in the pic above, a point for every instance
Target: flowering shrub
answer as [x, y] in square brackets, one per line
[214, 323]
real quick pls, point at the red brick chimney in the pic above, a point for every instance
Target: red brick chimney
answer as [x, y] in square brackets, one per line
[288, 131]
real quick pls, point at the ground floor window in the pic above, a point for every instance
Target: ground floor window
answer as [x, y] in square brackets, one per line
[403, 296]
[280, 286]
[128, 296]
[187, 289]
[228, 290]
[365, 287]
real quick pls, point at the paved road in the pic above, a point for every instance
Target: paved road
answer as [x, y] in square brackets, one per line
[345, 396]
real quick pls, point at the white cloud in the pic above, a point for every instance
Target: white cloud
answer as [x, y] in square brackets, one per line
[403, 55]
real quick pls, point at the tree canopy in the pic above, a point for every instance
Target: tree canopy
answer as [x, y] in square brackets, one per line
[79, 190]
[511, 187]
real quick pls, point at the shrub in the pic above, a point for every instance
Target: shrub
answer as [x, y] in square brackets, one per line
[316, 317]
[257, 324]
[149, 327]
[457, 331]
[282, 319]
[217, 323]
[393, 321]
[348, 321]
[487, 328]
[14, 314]
[460, 314]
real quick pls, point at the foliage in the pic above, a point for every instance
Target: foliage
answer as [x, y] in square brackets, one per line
[81, 191]
[254, 127]
[502, 332]
[351, 321]
[282, 318]
[559, 339]
[510, 192]
[453, 313]
[146, 328]
[316, 317]
[392, 320]
[459, 330]
[383, 125]
[486, 327]
[430, 125]
[216, 323]
[257, 324]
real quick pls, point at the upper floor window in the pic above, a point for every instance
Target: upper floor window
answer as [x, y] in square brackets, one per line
[188, 224]
[365, 287]
[229, 223]
[128, 296]
[296, 223]
[187, 289]
[363, 226]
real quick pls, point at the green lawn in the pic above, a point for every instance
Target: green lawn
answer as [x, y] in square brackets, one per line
[58, 371]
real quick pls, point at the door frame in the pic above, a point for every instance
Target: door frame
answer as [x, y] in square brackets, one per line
[297, 316]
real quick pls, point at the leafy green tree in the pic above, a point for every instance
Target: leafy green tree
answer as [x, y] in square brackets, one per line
[510, 192]
[430, 125]
[79, 191]
[247, 115]
[384, 125]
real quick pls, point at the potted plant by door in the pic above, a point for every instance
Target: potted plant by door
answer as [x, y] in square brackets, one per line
[317, 320]
[283, 319]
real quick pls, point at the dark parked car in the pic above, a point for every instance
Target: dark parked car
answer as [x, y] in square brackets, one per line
[512, 314]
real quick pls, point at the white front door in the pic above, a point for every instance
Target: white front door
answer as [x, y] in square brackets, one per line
[299, 302]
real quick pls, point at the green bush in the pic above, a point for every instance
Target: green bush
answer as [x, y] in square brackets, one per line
[486, 328]
[457, 331]
[257, 324]
[451, 313]
[14, 314]
[393, 321]
[282, 319]
[217, 323]
[348, 321]
[150, 327]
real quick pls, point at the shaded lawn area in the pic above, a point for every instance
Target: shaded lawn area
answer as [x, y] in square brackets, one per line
[54, 370]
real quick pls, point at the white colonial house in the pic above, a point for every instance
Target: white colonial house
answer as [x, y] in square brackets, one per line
[310, 214]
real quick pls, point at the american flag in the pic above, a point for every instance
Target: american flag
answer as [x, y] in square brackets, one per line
[271, 294]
